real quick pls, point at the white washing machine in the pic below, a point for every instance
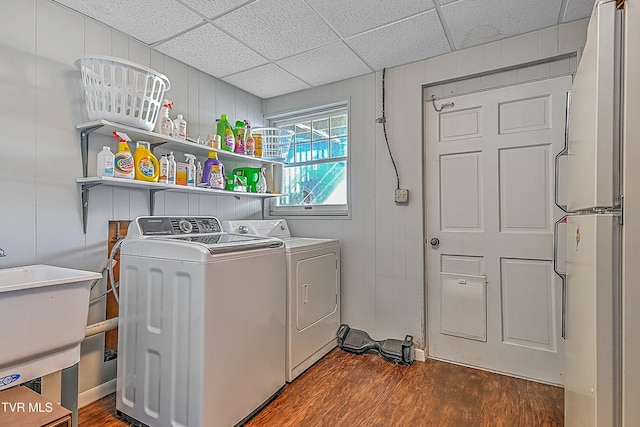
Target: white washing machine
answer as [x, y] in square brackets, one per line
[201, 338]
[313, 291]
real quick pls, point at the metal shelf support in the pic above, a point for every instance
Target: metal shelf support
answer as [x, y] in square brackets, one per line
[84, 147]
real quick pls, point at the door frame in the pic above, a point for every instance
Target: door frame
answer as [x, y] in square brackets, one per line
[437, 89]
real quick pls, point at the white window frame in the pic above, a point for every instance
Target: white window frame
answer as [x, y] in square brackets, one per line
[342, 211]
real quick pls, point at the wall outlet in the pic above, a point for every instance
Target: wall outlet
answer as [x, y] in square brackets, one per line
[401, 195]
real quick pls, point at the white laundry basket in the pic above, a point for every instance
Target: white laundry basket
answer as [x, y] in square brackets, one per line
[122, 91]
[275, 142]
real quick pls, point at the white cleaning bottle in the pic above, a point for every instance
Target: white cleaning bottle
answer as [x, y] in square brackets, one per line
[105, 162]
[198, 173]
[164, 170]
[165, 124]
[180, 127]
[171, 176]
[191, 170]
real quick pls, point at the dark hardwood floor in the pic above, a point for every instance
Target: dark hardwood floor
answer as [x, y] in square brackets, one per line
[349, 390]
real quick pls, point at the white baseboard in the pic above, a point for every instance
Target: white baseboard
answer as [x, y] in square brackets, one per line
[96, 393]
[419, 355]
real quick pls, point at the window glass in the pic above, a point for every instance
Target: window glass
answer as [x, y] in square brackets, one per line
[315, 170]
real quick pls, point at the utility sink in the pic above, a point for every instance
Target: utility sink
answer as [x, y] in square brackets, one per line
[43, 318]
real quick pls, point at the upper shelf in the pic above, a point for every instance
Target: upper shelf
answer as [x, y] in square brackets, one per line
[104, 127]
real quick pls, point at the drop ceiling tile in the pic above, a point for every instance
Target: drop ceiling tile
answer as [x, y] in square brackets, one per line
[266, 81]
[351, 17]
[578, 9]
[211, 9]
[474, 22]
[408, 41]
[316, 67]
[146, 20]
[277, 28]
[210, 50]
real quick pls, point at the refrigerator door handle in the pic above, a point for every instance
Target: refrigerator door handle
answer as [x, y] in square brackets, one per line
[563, 152]
[563, 276]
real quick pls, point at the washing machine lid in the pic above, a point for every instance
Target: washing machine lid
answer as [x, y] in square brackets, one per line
[262, 227]
[200, 230]
[225, 242]
[277, 228]
[295, 244]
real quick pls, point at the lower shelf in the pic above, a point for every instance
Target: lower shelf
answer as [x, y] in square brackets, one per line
[153, 187]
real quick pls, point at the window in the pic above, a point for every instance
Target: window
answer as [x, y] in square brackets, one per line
[314, 178]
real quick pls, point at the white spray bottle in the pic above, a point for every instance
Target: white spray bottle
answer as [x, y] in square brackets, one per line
[165, 124]
[191, 170]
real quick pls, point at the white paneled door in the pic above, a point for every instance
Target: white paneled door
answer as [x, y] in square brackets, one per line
[493, 299]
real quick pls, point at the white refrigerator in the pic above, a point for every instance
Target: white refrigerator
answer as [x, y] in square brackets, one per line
[602, 246]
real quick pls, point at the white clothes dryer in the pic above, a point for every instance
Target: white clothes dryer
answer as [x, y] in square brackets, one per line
[313, 291]
[201, 338]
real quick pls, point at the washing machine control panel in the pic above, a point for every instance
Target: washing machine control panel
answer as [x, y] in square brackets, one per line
[168, 226]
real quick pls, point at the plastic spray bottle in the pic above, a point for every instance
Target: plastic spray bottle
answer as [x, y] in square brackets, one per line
[145, 163]
[191, 170]
[248, 140]
[171, 177]
[261, 186]
[213, 172]
[165, 124]
[123, 160]
[227, 141]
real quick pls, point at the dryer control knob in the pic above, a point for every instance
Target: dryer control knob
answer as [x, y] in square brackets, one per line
[185, 226]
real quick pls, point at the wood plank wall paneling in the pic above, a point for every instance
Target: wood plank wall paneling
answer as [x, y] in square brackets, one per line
[349, 390]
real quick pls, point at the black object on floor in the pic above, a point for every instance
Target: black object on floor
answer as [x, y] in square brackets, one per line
[359, 342]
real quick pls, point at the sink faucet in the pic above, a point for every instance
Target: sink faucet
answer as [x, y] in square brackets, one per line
[2, 252]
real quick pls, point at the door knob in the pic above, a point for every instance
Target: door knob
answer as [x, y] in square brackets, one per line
[434, 242]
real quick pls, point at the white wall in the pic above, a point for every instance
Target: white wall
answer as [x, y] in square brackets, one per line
[41, 101]
[383, 251]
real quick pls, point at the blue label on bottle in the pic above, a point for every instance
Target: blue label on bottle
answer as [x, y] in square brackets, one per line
[146, 167]
[4, 381]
